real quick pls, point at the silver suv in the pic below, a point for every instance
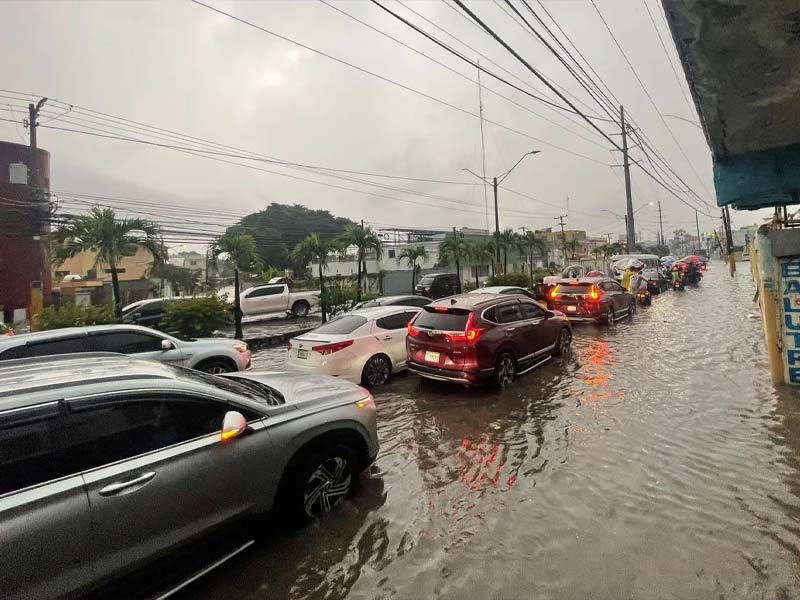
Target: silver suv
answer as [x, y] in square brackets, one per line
[109, 462]
[212, 355]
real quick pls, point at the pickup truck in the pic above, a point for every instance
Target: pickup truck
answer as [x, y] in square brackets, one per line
[277, 298]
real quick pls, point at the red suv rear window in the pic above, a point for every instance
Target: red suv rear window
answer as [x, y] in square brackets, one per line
[565, 288]
[453, 320]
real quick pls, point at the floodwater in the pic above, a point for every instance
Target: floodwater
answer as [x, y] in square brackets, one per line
[657, 461]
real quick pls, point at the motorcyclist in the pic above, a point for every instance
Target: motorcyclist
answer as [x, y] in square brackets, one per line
[637, 281]
[676, 274]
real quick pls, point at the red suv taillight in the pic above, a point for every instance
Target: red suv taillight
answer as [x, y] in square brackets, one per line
[331, 348]
[412, 331]
[593, 293]
[470, 335]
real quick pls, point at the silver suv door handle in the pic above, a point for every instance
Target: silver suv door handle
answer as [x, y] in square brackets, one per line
[115, 488]
[386, 337]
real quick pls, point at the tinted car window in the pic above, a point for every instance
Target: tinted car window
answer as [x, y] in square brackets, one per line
[113, 430]
[531, 311]
[426, 280]
[30, 452]
[443, 321]
[151, 308]
[341, 325]
[398, 321]
[59, 346]
[574, 289]
[126, 342]
[508, 313]
[419, 301]
[266, 291]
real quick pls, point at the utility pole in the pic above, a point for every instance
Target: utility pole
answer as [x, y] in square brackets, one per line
[661, 225]
[697, 225]
[458, 261]
[629, 225]
[563, 236]
[496, 226]
[483, 147]
[35, 187]
[726, 219]
[608, 235]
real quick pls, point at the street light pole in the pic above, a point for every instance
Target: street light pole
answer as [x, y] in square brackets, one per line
[495, 183]
[629, 225]
[35, 187]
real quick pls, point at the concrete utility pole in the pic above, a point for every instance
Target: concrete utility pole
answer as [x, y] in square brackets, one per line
[35, 187]
[496, 181]
[726, 219]
[629, 225]
[697, 225]
[661, 225]
[563, 235]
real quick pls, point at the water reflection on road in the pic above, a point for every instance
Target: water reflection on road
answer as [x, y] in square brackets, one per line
[656, 461]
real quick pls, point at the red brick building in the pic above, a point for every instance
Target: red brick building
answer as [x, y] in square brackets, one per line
[21, 221]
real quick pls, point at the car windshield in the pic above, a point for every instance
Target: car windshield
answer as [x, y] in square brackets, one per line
[249, 389]
[443, 321]
[341, 325]
[427, 280]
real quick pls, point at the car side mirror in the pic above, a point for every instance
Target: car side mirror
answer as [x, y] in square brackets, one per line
[233, 425]
[167, 345]
[549, 314]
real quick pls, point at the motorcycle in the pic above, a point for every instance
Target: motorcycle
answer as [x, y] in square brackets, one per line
[644, 297]
[678, 285]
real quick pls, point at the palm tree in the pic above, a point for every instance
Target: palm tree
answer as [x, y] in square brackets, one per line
[241, 251]
[312, 248]
[530, 243]
[452, 250]
[112, 239]
[508, 241]
[481, 252]
[411, 255]
[364, 239]
[573, 246]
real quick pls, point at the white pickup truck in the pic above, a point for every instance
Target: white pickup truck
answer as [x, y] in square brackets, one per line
[277, 298]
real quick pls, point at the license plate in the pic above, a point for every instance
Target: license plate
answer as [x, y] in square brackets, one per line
[431, 356]
[302, 354]
[572, 308]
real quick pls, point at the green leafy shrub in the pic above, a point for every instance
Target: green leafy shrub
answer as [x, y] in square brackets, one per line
[516, 279]
[73, 315]
[367, 296]
[195, 317]
[339, 299]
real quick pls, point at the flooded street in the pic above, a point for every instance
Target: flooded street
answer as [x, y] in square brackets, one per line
[656, 461]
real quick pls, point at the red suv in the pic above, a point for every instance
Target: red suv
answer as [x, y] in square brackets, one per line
[596, 299]
[476, 338]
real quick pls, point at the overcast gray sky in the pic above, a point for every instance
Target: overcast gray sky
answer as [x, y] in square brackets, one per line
[180, 66]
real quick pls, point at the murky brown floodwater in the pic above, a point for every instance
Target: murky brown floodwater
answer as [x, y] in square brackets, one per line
[657, 461]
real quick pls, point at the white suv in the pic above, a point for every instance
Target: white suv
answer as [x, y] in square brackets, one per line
[212, 355]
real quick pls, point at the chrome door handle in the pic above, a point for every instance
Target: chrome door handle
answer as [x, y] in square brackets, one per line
[386, 337]
[114, 488]
[510, 329]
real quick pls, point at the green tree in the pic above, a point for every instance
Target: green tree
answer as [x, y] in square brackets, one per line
[532, 245]
[241, 251]
[280, 227]
[454, 249]
[411, 255]
[111, 238]
[317, 250]
[181, 278]
[572, 246]
[364, 239]
[481, 252]
[508, 240]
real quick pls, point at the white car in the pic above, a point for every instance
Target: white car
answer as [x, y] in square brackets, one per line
[212, 355]
[364, 346]
[277, 298]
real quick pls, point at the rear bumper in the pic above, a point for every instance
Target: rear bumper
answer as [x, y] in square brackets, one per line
[450, 375]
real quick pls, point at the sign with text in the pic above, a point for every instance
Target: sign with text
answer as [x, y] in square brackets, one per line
[790, 318]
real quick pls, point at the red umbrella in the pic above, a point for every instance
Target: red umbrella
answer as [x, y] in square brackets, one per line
[692, 259]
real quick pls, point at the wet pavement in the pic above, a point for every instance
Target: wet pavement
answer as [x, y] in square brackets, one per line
[656, 461]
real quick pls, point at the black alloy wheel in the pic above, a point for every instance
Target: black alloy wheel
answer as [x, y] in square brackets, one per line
[376, 372]
[632, 309]
[505, 370]
[327, 485]
[301, 308]
[563, 342]
[610, 318]
[215, 367]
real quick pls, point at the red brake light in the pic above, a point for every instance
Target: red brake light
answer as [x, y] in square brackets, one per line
[594, 293]
[412, 331]
[470, 335]
[554, 293]
[325, 349]
[440, 308]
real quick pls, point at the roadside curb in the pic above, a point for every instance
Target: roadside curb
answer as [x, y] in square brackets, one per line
[269, 341]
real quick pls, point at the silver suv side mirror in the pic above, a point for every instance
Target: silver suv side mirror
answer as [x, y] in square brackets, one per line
[167, 345]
